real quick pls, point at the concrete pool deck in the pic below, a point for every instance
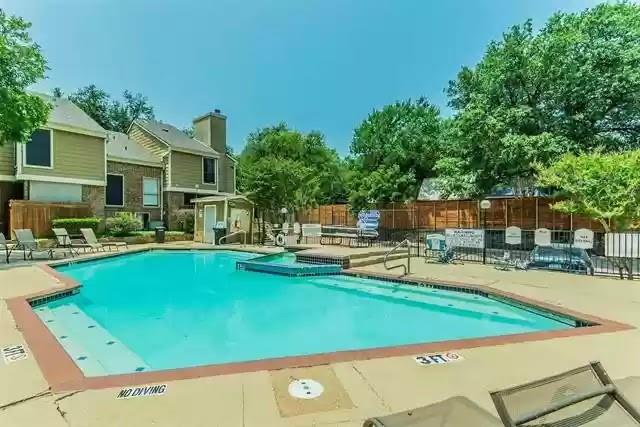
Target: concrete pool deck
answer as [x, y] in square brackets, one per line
[373, 387]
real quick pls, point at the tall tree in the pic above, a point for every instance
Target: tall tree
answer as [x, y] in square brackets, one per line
[392, 150]
[21, 65]
[572, 87]
[280, 167]
[132, 107]
[604, 187]
[95, 102]
[112, 114]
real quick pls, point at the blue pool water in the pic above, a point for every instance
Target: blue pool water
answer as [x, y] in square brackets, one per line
[167, 309]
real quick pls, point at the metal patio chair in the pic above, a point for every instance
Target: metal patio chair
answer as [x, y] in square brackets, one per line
[63, 240]
[7, 246]
[584, 396]
[28, 244]
[454, 412]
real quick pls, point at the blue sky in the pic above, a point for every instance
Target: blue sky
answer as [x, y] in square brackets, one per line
[315, 64]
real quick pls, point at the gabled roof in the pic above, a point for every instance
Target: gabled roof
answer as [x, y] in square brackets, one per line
[175, 138]
[121, 148]
[68, 116]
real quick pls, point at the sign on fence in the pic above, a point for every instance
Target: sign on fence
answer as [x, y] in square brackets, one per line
[464, 238]
[311, 230]
[435, 242]
[543, 237]
[513, 235]
[622, 245]
[583, 238]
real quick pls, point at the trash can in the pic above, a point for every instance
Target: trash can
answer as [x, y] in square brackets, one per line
[218, 232]
[160, 234]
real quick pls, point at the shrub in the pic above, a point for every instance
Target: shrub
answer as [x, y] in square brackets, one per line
[73, 225]
[185, 220]
[123, 224]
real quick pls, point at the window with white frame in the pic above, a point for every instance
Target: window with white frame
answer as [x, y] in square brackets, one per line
[115, 190]
[150, 192]
[38, 152]
[208, 170]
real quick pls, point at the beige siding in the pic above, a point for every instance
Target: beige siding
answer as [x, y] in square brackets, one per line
[186, 171]
[7, 159]
[226, 176]
[74, 156]
[148, 141]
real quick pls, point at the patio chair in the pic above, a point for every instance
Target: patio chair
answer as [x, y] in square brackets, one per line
[91, 239]
[584, 396]
[454, 412]
[29, 245]
[64, 241]
[7, 246]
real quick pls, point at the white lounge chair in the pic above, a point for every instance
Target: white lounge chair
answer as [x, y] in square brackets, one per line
[91, 239]
[29, 245]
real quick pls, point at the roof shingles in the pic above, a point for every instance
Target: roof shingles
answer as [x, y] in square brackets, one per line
[176, 139]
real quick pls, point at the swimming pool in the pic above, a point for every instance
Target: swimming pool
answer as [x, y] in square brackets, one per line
[160, 310]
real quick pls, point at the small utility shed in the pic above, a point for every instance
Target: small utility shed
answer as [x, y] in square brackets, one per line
[233, 212]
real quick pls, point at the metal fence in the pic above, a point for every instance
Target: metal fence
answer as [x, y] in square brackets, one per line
[615, 254]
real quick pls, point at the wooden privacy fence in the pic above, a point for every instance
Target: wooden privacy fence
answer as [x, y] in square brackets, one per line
[526, 213]
[38, 215]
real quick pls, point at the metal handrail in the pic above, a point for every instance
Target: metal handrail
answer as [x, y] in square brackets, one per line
[407, 268]
[233, 234]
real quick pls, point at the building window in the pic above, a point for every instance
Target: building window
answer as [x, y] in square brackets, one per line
[208, 170]
[150, 192]
[186, 201]
[115, 190]
[38, 151]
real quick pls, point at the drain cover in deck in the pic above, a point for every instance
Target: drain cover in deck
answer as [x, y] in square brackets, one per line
[305, 389]
[301, 391]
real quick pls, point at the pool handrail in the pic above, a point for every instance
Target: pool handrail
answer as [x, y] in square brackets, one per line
[233, 234]
[407, 268]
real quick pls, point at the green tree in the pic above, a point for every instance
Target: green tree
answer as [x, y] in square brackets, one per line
[21, 65]
[112, 114]
[572, 87]
[604, 187]
[95, 102]
[132, 107]
[280, 167]
[392, 151]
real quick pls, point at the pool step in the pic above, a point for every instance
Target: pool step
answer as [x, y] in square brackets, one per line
[376, 252]
[90, 346]
[464, 304]
[376, 259]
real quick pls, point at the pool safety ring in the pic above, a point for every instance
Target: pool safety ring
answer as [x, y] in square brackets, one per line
[305, 388]
[280, 240]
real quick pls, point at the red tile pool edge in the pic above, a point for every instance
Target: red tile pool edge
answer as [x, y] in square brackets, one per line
[63, 374]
